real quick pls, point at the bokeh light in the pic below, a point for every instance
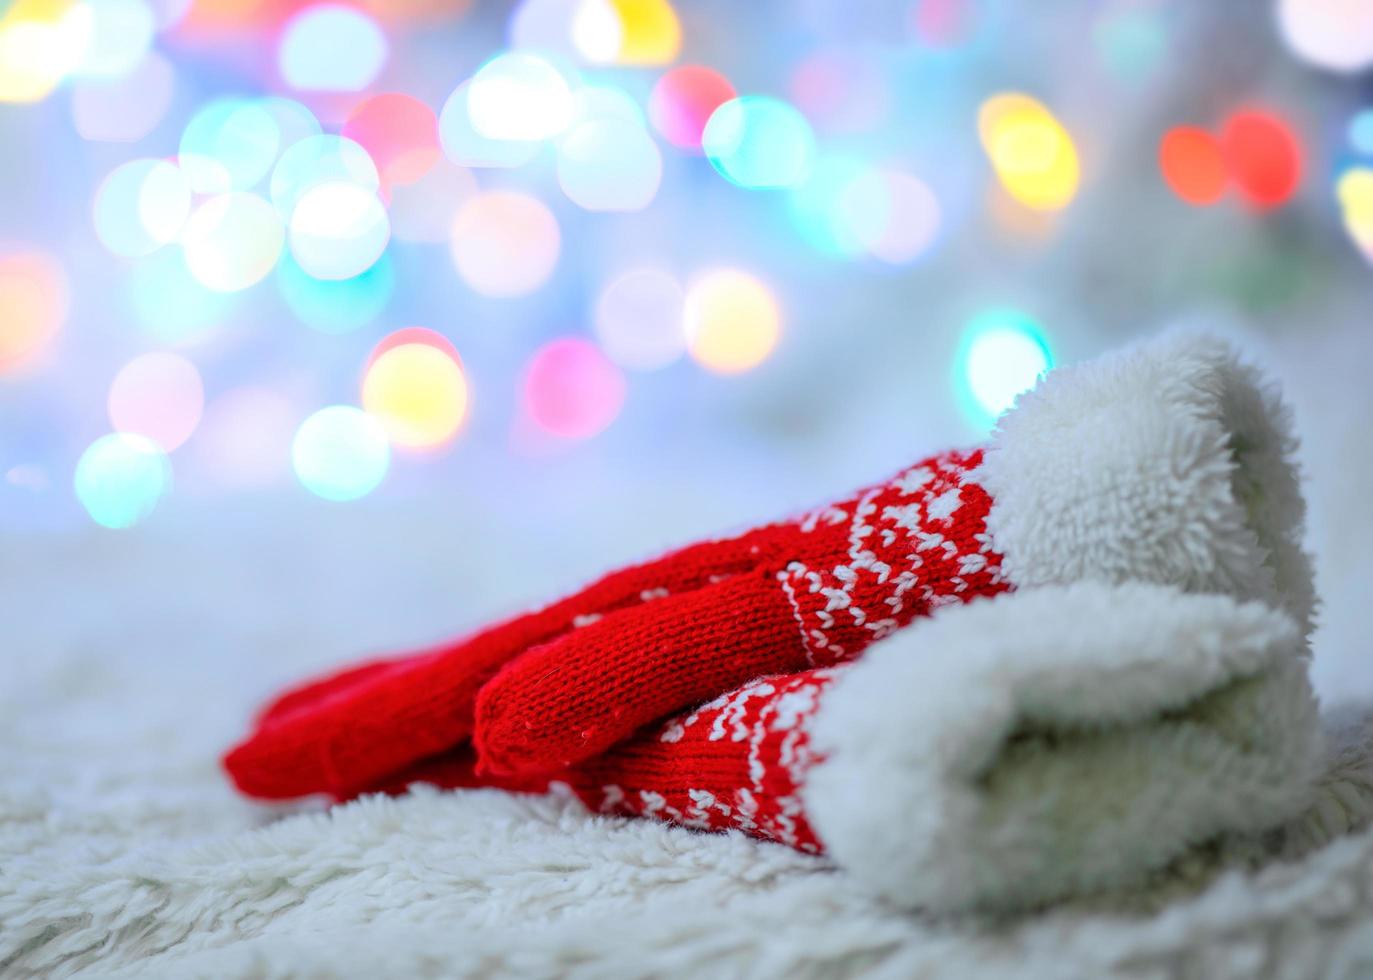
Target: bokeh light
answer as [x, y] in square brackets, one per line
[1361, 132]
[894, 216]
[1004, 353]
[168, 302]
[38, 51]
[732, 321]
[413, 335]
[825, 210]
[159, 396]
[340, 453]
[505, 243]
[1354, 191]
[332, 48]
[758, 141]
[424, 211]
[232, 241]
[319, 160]
[842, 91]
[609, 164]
[650, 33]
[123, 109]
[465, 146]
[229, 144]
[33, 305]
[593, 102]
[943, 23]
[244, 439]
[418, 393]
[1263, 156]
[571, 389]
[638, 319]
[1192, 164]
[567, 28]
[294, 122]
[338, 230]
[418, 13]
[141, 206]
[120, 32]
[336, 305]
[519, 96]
[683, 99]
[1132, 40]
[169, 13]
[1032, 154]
[399, 132]
[1334, 34]
[120, 478]
[596, 31]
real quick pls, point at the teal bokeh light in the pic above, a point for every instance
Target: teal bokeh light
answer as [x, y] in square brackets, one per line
[1361, 132]
[340, 453]
[336, 305]
[759, 142]
[230, 144]
[120, 478]
[315, 160]
[1004, 352]
[169, 304]
[834, 206]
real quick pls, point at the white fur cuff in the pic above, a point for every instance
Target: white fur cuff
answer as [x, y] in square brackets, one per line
[1170, 462]
[1060, 741]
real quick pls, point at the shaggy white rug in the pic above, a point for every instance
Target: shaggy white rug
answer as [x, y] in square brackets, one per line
[130, 661]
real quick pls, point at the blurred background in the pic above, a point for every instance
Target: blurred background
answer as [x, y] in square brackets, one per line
[359, 322]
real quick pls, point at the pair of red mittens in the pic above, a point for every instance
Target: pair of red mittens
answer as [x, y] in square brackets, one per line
[1168, 464]
[554, 687]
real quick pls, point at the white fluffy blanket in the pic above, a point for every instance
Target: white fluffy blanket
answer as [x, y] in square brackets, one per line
[130, 661]
[122, 850]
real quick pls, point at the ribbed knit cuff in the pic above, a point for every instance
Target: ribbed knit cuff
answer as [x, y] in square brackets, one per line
[1060, 741]
[1169, 462]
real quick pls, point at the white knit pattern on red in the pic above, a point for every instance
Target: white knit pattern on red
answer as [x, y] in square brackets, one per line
[735, 763]
[909, 546]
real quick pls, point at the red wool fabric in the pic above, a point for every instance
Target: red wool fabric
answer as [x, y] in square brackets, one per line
[738, 762]
[553, 688]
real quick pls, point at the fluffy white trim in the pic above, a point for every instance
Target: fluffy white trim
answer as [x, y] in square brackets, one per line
[1169, 462]
[1060, 741]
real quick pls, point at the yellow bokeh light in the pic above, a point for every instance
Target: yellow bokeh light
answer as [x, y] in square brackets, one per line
[650, 33]
[1031, 152]
[40, 44]
[732, 321]
[33, 304]
[1354, 191]
[418, 393]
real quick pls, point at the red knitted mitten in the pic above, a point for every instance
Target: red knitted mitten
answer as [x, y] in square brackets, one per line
[587, 671]
[1009, 751]
[1169, 463]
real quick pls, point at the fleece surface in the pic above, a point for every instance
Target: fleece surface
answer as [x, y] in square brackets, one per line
[122, 850]
[129, 662]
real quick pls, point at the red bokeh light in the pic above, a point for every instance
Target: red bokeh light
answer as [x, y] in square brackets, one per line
[1263, 155]
[683, 100]
[400, 133]
[1193, 165]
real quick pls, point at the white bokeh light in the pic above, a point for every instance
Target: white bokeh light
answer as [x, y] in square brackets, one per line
[338, 230]
[519, 96]
[638, 319]
[232, 241]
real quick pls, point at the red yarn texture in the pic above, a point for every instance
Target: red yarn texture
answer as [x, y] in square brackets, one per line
[564, 684]
[826, 585]
[738, 762]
